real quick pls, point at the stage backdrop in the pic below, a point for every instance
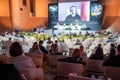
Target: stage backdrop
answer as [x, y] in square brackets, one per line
[52, 15]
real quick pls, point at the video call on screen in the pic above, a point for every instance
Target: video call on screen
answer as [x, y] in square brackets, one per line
[88, 13]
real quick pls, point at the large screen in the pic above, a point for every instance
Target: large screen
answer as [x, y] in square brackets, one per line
[74, 11]
[86, 14]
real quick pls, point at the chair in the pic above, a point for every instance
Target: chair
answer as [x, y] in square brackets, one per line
[37, 59]
[38, 62]
[73, 76]
[64, 68]
[32, 73]
[94, 67]
[112, 72]
[54, 60]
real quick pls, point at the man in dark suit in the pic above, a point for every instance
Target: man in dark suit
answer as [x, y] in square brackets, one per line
[42, 48]
[113, 60]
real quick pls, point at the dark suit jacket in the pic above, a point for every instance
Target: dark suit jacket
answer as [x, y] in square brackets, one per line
[113, 61]
[9, 72]
[42, 48]
[98, 54]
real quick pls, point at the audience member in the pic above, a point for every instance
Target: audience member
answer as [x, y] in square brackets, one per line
[74, 59]
[48, 47]
[64, 47]
[79, 34]
[111, 39]
[82, 52]
[18, 58]
[35, 48]
[112, 49]
[98, 53]
[87, 33]
[55, 50]
[78, 42]
[42, 48]
[92, 35]
[113, 60]
[59, 48]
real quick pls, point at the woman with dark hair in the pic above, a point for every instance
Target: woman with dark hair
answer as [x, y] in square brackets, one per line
[76, 53]
[35, 48]
[15, 49]
[18, 58]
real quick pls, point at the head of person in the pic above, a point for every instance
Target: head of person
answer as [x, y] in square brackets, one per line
[73, 10]
[49, 39]
[76, 53]
[112, 45]
[40, 42]
[15, 49]
[56, 41]
[10, 39]
[99, 45]
[49, 42]
[35, 45]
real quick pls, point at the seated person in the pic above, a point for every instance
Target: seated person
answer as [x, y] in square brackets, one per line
[35, 49]
[112, 50]
[110, 39]
[42, 48]
[98, 53]
[113, 60]
[74, 59]
[48, 47]
[82, 52]
[78, 42]
[18, 58]
[87, 33]
[59, 48]
[55, 50]
[64, 47]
